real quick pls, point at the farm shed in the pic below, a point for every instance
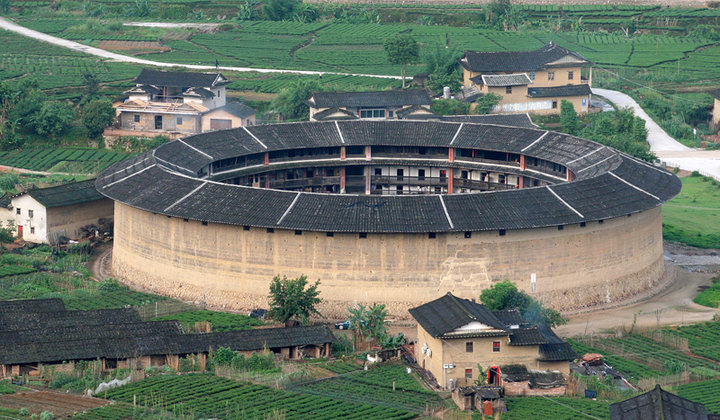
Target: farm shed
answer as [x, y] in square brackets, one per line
[46, 214]
[43, 332]
[658, 404]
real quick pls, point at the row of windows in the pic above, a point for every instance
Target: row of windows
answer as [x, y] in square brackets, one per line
[495, 347]
[19, 211]
[136, 118]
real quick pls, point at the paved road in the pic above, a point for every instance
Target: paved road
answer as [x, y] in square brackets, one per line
[10, 26]
[665, 147]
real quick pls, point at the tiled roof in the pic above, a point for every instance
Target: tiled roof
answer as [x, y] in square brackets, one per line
[5, 200]
[510, 317]
[715, 93]
[237, 109]
[559, 91]
[370, 99]
[516, 61]
[54, 334]
[204, 93]
[510, 120]
[179, 78]
[526, 336]
[413, 111]
[658, 404]
[330, 114]
[608, 184]
[519, 79]
[67, 194]
[448, 313]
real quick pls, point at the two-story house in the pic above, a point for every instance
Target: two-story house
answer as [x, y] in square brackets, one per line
[529, 81]
[180, 102]
[456, 335]
[386, 104]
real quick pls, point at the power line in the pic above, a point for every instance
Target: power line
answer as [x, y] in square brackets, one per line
[571, 408]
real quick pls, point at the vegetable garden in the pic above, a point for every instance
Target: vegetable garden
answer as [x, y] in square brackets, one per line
[220, 321]
[71, 160]
[206, 395]
[556, 408]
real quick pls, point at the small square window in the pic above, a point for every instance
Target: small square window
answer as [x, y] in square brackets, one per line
[330, 234]
[362, 234]
[136, 118]
[270, 230]
[554, 104]
[179, 120]
[186, 220]
[561, 227]
[551, 75]
[432, 235]
[508, 89]
[468, 235]
[18, 211]
[496, 347]
[468, 374]
[32, 230]
[298, 232]
[571, 75]
[601, 221]
[246, 227]
[469, 347]
[502, 232]
[30, 213]
[582, 224]
[204, 223]
[532, 75]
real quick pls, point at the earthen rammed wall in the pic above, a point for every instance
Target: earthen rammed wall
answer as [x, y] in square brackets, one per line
[230, 267]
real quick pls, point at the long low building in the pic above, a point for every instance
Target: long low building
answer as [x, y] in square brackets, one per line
[388, 211]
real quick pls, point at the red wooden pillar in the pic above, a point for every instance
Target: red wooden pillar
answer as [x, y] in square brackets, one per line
[522, 162]
[342, 153]
[450, 180]
[267, 181]
[267, 158]
[342, 180]
[367, 180]
[521, 181]
[568, 175]
[451, 155]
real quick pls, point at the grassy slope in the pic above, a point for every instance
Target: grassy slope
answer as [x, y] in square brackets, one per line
[693, 217]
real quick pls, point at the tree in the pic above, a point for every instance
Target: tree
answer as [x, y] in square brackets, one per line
[638, 132]
[54, 118]
[505, 295]
[442, 68]
[5, 6]
[289, 298]
[280, 9]
[369, 321]
[402, 50]
[290, 102]
[568, 117]
[450, 107]
[96, 115]
[486, 104]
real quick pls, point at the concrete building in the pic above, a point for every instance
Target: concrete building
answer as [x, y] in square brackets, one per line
[180, 103]
[456, 335]
[528, 81]
[575, 223]
[46, 214]
[716, 110]
[386, 104]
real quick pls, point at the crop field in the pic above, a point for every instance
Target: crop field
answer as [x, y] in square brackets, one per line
[85, 301]
[632, 370]
[556, 408]
[341, 367]
[206, 395]
[71, 160]
[669, 356]
[703, 339]
[11, 270]
[220, 321]
[706, 392]
[375, 386]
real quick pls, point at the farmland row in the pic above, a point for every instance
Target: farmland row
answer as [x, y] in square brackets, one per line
[77, 160]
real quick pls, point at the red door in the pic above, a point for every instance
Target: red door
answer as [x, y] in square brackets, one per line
[20, 235]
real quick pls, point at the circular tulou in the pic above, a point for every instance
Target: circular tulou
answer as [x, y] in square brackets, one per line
[394, 212]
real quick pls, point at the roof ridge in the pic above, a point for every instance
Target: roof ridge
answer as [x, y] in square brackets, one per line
[459, 305]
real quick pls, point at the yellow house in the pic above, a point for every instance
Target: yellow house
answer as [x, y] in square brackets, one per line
[456, 335]
[528, 81]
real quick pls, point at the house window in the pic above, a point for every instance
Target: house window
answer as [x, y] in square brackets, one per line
[179, 121]
[468, 374]
[390, 114]
[532, 75]
[508, 89]
[136, 118]
[570, 75]
[372, 113]
[468, 235]
[362, 235]
[496, 347]
[554, 104]
[18, 210]
[432, 235]
[378, 171]
[30, 213]
[469, 347]
[421, 174]
[32, 230]
[551, 75]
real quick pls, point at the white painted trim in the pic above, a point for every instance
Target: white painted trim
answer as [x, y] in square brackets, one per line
[447, 215]
[195, 149]
[127, 167]
[288, 209]
[637, 188]
[185, 196]
[342, 139]
[129, 176]
[457, 133]
[533, 143]
[564, 202]
[596, 163]
[586, 155]
[254, 138]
